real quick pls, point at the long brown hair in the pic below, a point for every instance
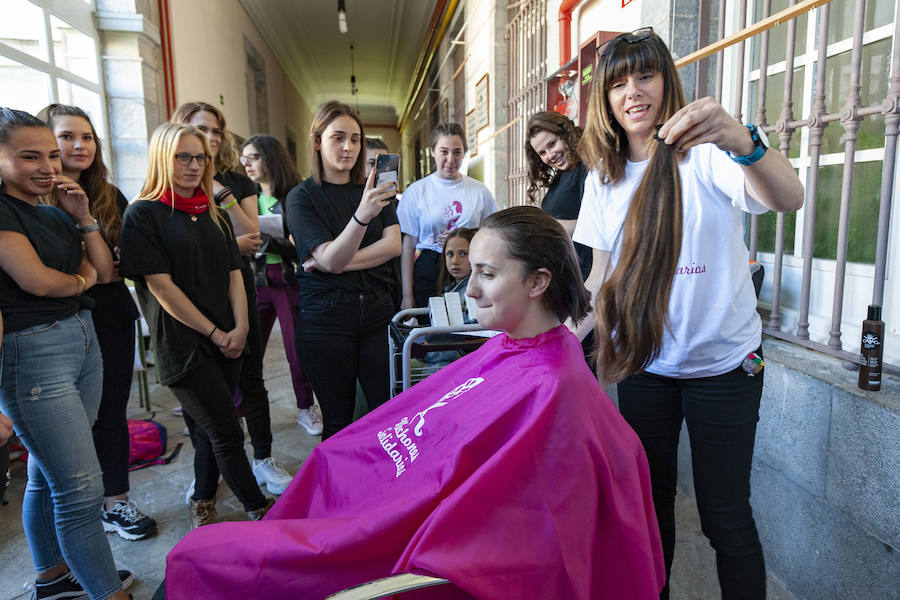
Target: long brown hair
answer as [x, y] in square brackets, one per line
[327, 113]
[444, 277]
[539, 174]
[633, 304]
[94, 180]
[227, 157]
[276, 165]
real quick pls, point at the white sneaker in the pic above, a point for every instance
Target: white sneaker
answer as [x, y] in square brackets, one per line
[269, 472]
[310, 420]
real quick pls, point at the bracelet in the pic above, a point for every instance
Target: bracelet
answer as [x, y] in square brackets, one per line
[229, 205]
[355, 218]
[83, 283]
[209, 336]
[87, 228]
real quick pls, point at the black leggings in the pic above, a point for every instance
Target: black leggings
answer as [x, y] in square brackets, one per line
[111, 428]
[206, 394]
[721, 414]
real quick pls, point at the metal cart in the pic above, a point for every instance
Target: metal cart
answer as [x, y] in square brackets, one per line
[406, 343]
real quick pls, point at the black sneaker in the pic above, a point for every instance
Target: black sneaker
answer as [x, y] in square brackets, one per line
[66, 586]
[130, 523]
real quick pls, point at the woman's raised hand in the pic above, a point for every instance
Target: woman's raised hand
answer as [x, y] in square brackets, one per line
[374, 198]
[73, 199]
[703, 121]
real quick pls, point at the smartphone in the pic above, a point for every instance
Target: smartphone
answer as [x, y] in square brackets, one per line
[387, 168]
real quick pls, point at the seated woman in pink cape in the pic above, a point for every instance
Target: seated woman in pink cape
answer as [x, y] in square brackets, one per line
[509, 473]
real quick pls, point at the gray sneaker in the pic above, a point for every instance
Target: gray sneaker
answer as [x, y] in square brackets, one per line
[203, 512]
[268, 471]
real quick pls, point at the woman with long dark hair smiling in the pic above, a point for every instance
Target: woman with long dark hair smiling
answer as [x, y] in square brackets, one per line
[676, 321]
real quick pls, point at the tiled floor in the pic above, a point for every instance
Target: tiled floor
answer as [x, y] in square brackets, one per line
[159, 491]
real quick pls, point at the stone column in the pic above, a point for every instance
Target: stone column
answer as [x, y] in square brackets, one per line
[132, 63]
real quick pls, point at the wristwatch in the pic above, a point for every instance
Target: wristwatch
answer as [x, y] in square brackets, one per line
[759, 150]
[87, 228]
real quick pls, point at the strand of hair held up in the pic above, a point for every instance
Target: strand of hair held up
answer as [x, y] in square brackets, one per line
[632, 305]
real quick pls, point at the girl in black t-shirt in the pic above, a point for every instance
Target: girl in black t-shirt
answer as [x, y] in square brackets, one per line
[179, 249]
[51, 364]
[236, 194]
[553, 163]
[114, 315]
[345, 230]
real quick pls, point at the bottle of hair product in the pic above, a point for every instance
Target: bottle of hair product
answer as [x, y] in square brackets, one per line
[872, 350]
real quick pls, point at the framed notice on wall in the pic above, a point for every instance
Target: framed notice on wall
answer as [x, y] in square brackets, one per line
[481, 103]
[471, 133]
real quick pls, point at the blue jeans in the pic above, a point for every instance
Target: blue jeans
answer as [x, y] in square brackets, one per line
[51, 386]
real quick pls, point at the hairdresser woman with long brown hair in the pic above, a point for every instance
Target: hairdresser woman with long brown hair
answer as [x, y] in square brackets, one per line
[676, 318]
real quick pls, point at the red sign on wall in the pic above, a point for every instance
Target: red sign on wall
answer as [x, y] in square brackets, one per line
[625, 3]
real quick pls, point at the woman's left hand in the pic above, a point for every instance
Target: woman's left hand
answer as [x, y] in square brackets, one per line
[6, 429]
[232, 342]
[73, 199]
[704, 121]
[311, 264]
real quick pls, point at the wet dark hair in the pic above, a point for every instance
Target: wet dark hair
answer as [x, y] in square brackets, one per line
[538, 240]
[276, 164]
[539, 174]
[442, 129]
[444, 278]
[12, 120]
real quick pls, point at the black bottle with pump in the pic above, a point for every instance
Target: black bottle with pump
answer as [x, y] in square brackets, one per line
[872, 350]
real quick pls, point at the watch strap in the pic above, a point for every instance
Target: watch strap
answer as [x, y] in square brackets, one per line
[759, 149]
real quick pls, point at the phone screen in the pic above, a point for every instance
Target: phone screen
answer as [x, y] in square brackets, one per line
[387, 168]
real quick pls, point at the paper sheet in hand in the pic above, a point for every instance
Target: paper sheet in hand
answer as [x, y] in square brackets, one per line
[271, 225]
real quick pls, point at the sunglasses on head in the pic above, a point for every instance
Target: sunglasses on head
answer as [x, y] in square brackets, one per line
[638, 35]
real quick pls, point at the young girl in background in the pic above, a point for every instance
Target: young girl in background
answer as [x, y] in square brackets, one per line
[268, 165]
[114, 316]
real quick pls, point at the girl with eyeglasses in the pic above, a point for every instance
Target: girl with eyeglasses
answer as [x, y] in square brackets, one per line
[114, 316]
[178, 248]
[52, 371]
[235, 193]
[268, 165]
[676, 321]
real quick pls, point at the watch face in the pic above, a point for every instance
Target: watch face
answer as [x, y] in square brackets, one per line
[759, 138]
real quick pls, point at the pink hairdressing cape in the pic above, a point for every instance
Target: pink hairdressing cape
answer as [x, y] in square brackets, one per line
[509, 473]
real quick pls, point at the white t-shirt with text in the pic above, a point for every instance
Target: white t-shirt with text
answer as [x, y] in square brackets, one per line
[713, 323]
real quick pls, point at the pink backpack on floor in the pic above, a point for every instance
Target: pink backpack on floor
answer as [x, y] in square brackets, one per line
[147, 444]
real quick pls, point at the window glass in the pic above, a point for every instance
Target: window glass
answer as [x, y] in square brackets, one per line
[777, 35]
[874, 79]
[88, 101]
[840, 17]
[774, 101]
[863, 211]
[23, 88]
[73, 51]
[766, 232]
[22, 27]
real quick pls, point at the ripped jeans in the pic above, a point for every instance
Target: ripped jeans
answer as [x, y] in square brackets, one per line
[50, 387]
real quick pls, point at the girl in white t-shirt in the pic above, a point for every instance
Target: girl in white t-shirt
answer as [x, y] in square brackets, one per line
[675, 309]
